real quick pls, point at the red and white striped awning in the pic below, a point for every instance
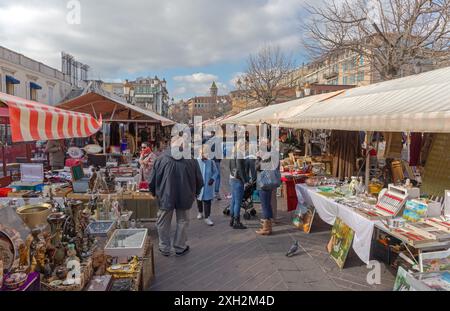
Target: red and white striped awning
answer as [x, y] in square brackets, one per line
[31, 121]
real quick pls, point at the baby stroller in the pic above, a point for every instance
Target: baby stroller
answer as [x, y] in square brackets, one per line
[247, 202]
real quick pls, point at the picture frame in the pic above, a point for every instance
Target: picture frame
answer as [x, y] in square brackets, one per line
[434, 261]
[405, 282]
[447, 204]
[340, 242]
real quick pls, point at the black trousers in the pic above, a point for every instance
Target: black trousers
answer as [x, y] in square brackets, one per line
[204, 205]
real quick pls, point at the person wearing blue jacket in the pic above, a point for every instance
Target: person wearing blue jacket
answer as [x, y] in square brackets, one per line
[210, 173]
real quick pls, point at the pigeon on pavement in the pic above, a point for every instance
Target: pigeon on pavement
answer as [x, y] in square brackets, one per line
[293, 249]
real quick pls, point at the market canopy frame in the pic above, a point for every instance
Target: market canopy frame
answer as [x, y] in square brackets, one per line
[113, 108]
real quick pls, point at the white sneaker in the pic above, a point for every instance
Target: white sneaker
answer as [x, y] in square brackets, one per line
[199, 216]
[209, 222]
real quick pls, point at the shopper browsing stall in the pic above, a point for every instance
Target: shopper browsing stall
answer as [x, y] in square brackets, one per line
[209, 173]
[146, 160]
[56, 152]
[267, 180]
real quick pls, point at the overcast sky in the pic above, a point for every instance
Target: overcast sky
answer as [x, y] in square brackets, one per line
[189, 42]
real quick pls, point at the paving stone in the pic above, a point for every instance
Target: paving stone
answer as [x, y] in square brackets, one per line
[225, 259]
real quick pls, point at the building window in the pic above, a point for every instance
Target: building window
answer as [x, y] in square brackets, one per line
[361, 60]
[10, 82]
[361, 76]
[33, 94]
[50, 96]
[344, 80]
[34, 87]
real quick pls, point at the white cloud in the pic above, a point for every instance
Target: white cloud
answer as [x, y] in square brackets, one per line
[198, 84]
[119, 37]
[235, 78]
[198, 77]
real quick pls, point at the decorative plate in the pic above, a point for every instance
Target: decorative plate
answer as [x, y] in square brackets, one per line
[7, 251]
[15, 280]
[75, 152]
[92, 149]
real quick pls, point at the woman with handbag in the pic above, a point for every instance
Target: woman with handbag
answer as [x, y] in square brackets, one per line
[268, 179]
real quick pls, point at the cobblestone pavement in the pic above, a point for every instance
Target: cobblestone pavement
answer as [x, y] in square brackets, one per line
[225, 259]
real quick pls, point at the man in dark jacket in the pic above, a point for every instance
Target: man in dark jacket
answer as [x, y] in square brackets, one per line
[176, 184]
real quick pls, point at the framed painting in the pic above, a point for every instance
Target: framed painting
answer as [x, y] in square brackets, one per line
[340, 242]
[434, 261]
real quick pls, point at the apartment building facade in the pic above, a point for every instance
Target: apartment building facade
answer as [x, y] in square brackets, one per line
[24, 77]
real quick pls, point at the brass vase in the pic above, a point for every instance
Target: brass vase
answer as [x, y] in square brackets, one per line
[56, 221]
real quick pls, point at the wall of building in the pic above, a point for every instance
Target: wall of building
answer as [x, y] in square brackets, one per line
[113, 87]
[55, 85]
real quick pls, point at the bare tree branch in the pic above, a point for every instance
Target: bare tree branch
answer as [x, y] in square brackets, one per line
[392, 33]
[267, 73]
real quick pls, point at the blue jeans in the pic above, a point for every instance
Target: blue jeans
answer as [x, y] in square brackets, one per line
[266, 203]
[237, 193]
[217, 183]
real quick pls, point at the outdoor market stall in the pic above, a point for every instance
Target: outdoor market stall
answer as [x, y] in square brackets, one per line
[414, 104]
[116, 110]
[54, 241]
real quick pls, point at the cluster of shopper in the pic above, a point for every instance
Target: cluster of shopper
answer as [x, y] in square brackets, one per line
[178, 183]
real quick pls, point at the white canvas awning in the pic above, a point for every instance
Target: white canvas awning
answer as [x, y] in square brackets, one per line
[418, 103]
[231, 120]
[274, 113]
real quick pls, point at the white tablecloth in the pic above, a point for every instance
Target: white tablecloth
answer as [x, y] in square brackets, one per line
[328, 210]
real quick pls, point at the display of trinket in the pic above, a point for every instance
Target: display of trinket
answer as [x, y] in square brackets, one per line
[122, 285]
[35, 216]
[110, 181]
[127, 270]
[100, 283]
[56, 221]
[10, 242]
[38, 259]
[99, 262]
[353, 185]
[100, 228]
[61, 272]
[15, 280]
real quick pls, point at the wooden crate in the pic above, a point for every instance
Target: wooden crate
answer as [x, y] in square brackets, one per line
[148, 267]
[143, 277]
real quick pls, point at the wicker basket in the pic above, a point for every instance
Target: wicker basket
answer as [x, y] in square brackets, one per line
[86, 275]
